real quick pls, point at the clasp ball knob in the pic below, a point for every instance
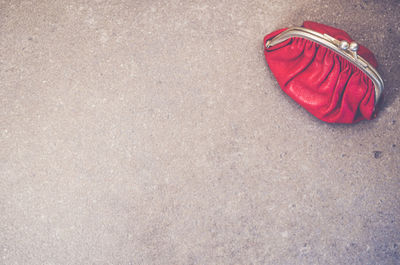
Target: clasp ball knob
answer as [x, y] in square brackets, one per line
[353, 46]
[344, 45]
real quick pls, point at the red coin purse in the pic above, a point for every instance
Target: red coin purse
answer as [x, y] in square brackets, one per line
[325, 71]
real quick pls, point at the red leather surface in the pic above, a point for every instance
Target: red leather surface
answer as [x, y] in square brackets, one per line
[323, 82]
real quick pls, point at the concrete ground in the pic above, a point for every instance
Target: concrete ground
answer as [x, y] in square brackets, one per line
[153, 132]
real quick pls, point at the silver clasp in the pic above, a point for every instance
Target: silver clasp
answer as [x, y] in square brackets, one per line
[352, 47]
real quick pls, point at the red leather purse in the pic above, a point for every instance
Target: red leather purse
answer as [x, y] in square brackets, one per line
[325, 71]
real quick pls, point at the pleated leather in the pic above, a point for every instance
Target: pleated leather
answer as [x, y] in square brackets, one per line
[323, 82]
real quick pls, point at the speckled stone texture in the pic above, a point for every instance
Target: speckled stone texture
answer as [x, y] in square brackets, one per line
[153, 132]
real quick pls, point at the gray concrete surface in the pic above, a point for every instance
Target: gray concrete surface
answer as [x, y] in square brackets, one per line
[152, 132]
